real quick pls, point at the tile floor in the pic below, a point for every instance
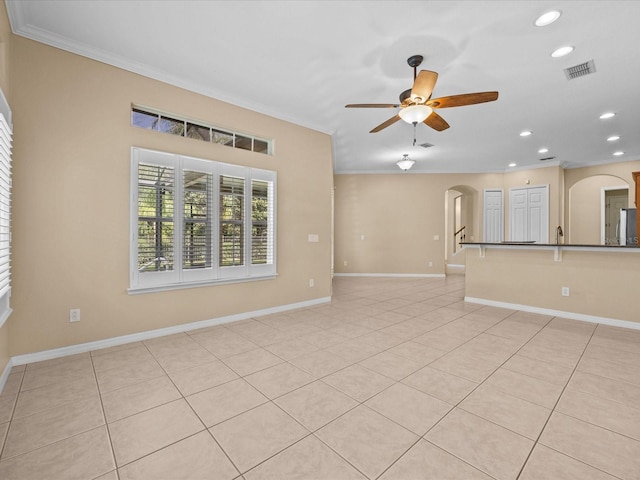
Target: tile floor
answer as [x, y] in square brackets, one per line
[395, 379]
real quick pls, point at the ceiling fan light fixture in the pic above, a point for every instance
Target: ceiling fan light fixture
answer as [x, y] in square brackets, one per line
[415, 113]
[406, 163]
[547, 18]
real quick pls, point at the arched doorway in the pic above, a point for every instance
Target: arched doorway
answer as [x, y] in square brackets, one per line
[593, 209]
[461, 224]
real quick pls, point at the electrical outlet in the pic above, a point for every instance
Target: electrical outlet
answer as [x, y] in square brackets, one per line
[74, 315]
[311, 282]
[431, 264]
[345, 263]
[565, 291]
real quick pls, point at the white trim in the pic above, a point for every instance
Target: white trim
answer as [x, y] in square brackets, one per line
[18, 26]
[455, 268]
[204, 283]
[6, 313]
[161, 332]
[5, 110]
[603, 200]
[401, 275]
[556, 313]
[5, 375]
[551, 246]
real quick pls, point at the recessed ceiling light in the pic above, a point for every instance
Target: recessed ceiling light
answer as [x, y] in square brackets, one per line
[604, 116]
[543, 150]
[547, 18]
[562, 51]
[613, 138]
[617, 154]
[526, 133]
[512, 164]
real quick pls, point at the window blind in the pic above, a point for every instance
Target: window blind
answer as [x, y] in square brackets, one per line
[197, 222]
[5, 210]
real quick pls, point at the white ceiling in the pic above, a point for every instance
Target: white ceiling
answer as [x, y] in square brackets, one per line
[302, 61]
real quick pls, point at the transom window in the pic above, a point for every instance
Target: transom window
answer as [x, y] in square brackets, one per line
[197, 221]
[160, 122]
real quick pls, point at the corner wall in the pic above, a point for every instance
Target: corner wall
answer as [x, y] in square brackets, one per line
[72, 146]
[400, 217]
[400, 214]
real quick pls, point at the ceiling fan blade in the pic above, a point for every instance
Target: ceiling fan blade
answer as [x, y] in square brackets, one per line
[371, 105]
[462, 100]
[436, 122]
[391, 121]
[423, 85]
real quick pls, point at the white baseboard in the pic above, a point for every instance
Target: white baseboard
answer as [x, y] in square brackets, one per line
[556, 313]
[397, 275]
[161, 332]
[5, 374]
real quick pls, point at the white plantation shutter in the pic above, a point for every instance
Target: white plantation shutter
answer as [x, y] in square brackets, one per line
[199, 222]
[5, 209]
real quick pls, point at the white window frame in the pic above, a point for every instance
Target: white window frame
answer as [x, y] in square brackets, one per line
[179, 277]
[6, 132]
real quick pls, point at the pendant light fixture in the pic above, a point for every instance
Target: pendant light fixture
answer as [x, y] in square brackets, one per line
[406, 163]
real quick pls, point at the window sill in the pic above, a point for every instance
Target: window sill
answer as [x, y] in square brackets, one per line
[207, 283]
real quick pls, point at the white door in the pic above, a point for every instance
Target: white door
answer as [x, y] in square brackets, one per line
[518, 216]
[493, 216]
[529, 214]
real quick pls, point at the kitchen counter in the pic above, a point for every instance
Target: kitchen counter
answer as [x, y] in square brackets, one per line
[594, 283]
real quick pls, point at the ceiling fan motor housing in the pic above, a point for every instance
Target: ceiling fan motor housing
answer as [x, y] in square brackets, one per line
[415, 60]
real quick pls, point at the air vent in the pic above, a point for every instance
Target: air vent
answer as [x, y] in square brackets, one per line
[546, 159]
[426, 145]
[581, 70]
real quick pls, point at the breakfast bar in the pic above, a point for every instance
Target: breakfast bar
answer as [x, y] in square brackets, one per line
[597, 283]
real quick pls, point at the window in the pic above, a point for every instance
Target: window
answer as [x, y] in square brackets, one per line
[196, 222]
[5, 209]
[150, 119]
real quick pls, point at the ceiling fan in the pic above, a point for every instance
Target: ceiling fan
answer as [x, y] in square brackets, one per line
[416, 104]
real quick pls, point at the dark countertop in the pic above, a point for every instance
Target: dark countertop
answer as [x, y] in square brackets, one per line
[547, 245]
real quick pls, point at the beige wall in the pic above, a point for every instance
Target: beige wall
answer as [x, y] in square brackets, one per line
[5, 49]
[585, 208]
[584, 189]
[71, 202]
[601, 283]
[399, 216]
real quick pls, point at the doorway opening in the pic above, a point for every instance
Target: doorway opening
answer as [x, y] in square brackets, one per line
[613, 199]
[460, 224]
